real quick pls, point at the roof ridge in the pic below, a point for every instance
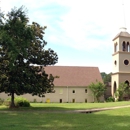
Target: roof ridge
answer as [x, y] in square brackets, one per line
[73, 66]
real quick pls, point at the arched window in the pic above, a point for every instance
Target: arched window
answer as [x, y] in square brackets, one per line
[127, 83]
[128, 47]
[115, 87]
[115, 47]
[123, 46]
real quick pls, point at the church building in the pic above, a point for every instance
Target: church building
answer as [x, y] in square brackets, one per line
[70, 86]
[120, 60]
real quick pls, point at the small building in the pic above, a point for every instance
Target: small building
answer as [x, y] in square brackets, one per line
[71, 86]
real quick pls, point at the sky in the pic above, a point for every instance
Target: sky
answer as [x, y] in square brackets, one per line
[79, 31]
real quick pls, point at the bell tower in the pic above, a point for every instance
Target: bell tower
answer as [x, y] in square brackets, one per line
[120, 60]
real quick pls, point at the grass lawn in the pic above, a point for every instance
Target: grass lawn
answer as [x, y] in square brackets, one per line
[69, 106]
[76, 106]
[35, 119]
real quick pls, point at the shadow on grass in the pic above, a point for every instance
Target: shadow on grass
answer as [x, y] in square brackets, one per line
[106, 120]
[31, 108]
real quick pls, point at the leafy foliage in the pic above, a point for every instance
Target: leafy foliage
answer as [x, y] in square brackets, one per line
[22, 46]
[97, 89]
[110, 99]
[106, 77]
[123, 90]
[19, 102]
[22, 102]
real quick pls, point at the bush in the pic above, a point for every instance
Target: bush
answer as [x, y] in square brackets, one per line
[110, 99]
[19, 101]
[22, 102]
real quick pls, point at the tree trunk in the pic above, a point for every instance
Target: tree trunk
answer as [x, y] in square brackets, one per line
[12, 104]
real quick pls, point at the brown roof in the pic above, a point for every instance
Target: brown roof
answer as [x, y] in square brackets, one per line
[74, 76]
[122, 34]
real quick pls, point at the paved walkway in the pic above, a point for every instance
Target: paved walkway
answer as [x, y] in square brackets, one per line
[70, 111]
[101, 109]
[90, 110]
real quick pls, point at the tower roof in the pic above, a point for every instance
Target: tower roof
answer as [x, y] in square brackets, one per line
[122, 34]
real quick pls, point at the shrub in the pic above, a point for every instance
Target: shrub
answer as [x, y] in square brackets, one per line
[110, 99]
[19, 101]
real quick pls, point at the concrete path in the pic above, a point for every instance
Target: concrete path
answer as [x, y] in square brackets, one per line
[70, 111]
[101, 109]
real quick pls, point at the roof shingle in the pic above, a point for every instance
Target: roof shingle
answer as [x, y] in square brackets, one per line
[73, 75]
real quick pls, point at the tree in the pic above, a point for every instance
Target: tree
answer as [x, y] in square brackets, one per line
[22, 46]
[97, 89]
[106, 77]
[123, 90]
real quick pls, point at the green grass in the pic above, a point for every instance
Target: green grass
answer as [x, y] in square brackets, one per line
[38, 118]
[105, 120]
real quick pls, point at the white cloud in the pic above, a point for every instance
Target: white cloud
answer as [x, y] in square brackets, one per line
[83, 17]
[88, 24]
[85, 24]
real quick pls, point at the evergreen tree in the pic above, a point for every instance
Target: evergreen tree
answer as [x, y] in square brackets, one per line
[21, 45]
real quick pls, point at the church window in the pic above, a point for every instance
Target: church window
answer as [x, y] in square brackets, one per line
[115, 47]
[115, 87]
[61, 91]
[126, 62]
[123, 46]
[85, 100]
[60, 101]
[115, 62]
[128, 47]
[127, 82]
[73, 91]
[73, 100]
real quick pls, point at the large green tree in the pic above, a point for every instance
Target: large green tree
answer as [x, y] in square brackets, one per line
[97, 89]
[22, 46]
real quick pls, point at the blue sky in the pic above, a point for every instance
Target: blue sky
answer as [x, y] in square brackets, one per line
[80, 31]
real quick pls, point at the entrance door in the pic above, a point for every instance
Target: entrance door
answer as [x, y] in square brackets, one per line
[73, 100]
[60, 100]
